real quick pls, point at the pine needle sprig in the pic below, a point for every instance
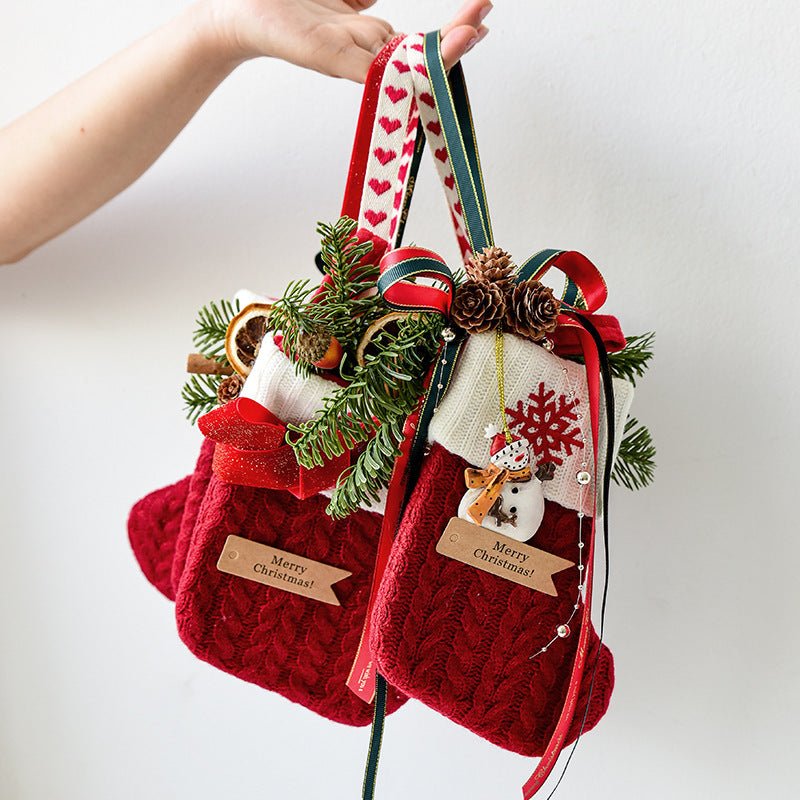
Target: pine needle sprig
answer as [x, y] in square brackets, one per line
[342, 255]
[635, 464]
[371, 408]
[289, 318]
[340, 307]
[373, 469]
[211, 327]
[199, 395]
[388, 384]
[632, 362]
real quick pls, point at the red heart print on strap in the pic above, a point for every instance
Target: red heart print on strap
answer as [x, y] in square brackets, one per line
[375, 217]
[389, 125]
[401, 67]
[379, 187]
[395, 94]
[384, 156]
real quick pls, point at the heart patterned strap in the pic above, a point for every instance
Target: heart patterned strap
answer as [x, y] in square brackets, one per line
[404, 106]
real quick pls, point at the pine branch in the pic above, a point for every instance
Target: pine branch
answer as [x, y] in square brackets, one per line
[199, 395]
[288, 317]
[336, 309]
[632, 362]
[372, 409]
[211, 327]
[635, 465]
[342, 255]
[362, 481]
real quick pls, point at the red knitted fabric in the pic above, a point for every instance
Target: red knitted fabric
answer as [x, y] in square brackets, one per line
[197, 489]
[160, 525]
[459, 639]
[153, 526]
[300, 648]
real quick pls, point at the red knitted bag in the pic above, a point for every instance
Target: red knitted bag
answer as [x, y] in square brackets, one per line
[481, 605]
[288, 643]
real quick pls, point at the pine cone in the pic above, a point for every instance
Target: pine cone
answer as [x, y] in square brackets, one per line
[478, 306]
[229, 388]
[532, 310]
[312, 344]
[492, 265]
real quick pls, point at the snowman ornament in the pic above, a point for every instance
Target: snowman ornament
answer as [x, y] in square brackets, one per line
[506, 496]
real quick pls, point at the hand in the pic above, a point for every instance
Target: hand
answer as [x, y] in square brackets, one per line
[329, 36]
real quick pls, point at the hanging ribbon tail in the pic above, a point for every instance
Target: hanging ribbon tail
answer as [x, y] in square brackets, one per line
[363, 674]
[251, 450]
[596, 367]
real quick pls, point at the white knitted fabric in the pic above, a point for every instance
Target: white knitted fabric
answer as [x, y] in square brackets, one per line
[274, 383]
[531, 375]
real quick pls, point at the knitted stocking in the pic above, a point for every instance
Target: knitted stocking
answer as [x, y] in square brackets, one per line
[161, 523]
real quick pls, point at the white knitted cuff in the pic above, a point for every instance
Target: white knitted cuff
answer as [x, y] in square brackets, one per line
[274, 383]
[537, 386]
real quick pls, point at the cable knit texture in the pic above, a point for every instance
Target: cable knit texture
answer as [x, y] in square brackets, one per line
[300, 648]
[197, 490]
[153, 526]
[459, 639]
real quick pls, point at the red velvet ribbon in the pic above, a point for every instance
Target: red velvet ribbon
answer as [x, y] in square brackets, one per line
[362, 677]
[251, 450]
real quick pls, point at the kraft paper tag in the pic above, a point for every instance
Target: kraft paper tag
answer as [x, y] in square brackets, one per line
[499, 555]
[279, 569]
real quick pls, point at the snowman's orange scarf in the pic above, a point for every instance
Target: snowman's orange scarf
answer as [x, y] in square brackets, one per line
[491, 480]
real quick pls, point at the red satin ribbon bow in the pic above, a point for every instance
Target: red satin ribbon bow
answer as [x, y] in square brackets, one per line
[251, 450]
[594, 292]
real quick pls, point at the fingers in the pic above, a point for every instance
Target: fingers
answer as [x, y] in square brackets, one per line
[360, 5]
[353, 63]
[370, 33]
[460, 40]
[472, 13]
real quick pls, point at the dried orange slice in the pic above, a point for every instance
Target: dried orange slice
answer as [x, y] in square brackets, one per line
[243, 339]
[388, 321]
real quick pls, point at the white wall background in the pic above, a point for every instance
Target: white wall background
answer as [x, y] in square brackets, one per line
[659, 138]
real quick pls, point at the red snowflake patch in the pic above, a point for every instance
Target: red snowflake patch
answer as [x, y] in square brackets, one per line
[549, 423]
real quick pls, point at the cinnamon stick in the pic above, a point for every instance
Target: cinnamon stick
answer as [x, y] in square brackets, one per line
[198, 364]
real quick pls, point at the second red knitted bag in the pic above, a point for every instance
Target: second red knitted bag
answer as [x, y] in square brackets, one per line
[482, 602]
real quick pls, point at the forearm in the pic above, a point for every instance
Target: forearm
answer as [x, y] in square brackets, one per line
[68, 156]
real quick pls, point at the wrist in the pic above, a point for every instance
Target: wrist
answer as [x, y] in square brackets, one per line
[213, 35]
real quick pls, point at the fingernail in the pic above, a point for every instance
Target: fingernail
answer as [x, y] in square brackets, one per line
[482, 31]
[471, 43]
[484, 11]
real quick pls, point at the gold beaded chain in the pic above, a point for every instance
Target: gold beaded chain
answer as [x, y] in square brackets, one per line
[499, 360]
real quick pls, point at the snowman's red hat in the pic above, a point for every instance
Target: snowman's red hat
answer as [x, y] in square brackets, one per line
[499, 441]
